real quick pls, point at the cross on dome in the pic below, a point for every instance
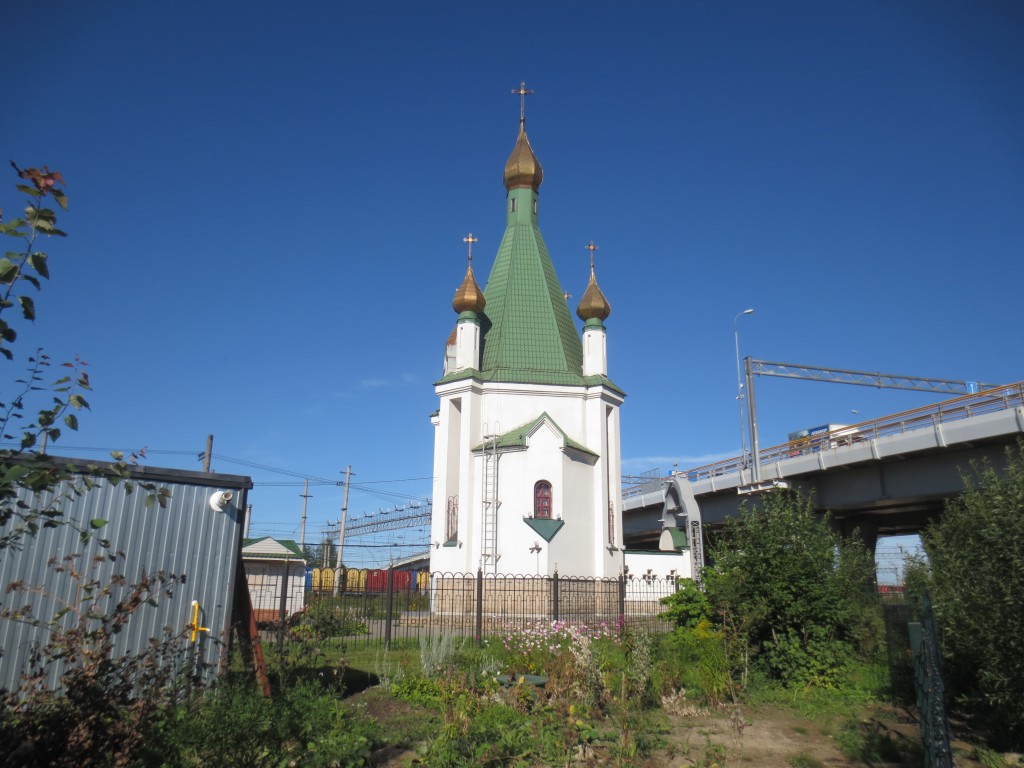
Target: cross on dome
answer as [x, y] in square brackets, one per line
[470, 239]
[522, 92]
[593, 305]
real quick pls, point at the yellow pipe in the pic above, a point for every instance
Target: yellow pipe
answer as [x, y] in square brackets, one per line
[194, 626]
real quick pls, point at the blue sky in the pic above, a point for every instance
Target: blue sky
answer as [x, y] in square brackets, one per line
[268, 205]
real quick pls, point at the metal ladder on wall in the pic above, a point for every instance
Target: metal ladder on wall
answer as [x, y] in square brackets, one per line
[489, 531]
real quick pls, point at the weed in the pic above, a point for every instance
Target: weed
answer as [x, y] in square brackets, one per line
[804, 760]
[438, 655]
[992, 759]
[872, 742]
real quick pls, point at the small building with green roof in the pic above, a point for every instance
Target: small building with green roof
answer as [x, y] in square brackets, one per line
[275, 570]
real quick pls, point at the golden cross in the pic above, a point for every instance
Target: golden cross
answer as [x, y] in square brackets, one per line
[470, 239]
[522, 91]
[591, 247]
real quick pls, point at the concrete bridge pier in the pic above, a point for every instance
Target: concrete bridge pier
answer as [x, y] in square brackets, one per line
[865, 527]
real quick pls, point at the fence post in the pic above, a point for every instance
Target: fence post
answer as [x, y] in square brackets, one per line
[388, 609]
[622, 596]
[928, 681]
[480, 607]
[283, 611]
[554, 596]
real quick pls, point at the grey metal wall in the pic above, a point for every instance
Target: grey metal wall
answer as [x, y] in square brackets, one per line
[186, 538]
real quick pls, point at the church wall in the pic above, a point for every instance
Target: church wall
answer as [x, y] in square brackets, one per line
[571, 548]
[511, 405]
[520, 471]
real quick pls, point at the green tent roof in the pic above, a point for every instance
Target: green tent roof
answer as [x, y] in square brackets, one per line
[527, 329]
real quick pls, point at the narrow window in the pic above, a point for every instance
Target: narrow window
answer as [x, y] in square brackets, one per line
[534, 206]
[513, 205]
[451, 526]
[542, 500]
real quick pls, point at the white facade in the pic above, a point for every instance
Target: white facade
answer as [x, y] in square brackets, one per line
[585, 480]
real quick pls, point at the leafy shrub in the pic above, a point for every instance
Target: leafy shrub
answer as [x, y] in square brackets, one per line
[687, 607]
[794, 588]
[976, 555]
[806, 660]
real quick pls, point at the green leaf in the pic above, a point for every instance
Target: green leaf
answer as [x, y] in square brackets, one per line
[28, 307]
[8, 270]
[14, 474]
[77, 401]
[37, 216]
[60, 197]
[71, 421]
[97, 522]
[38, 262]
[150, 501]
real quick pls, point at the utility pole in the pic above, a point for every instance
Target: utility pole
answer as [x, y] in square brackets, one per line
[209, 453]
[302, 532]
[341, 532]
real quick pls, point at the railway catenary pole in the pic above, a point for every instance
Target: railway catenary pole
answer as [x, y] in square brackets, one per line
[341, 532]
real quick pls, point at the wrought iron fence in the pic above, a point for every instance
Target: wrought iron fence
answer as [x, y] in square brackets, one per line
[382, 606]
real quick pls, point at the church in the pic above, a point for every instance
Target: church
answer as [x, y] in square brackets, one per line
[527, 458]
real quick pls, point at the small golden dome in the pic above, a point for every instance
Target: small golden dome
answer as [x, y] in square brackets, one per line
[523, 169]
[593, 304]
[468, 296]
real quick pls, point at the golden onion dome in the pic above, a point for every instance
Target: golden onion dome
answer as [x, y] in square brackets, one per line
[468, 296]
[523, 169]
[593, 304]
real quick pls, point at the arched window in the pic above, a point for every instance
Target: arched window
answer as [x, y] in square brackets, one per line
[542, 500]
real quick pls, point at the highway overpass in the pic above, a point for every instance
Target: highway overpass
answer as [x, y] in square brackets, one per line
[885, 477]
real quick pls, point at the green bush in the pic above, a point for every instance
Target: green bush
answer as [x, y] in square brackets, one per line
[793, 589]
[976, 554]
[687, 607]
[803, 660]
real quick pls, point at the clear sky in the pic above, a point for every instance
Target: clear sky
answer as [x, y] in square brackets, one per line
[268, 203]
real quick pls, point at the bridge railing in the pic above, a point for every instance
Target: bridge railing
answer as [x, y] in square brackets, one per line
[929, 416]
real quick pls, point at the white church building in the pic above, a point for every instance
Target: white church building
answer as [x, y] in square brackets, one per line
[527, 459]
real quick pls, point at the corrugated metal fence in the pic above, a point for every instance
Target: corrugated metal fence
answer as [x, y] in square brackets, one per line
[59, 578]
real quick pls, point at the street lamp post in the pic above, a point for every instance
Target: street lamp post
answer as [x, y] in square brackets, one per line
[739, 388]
